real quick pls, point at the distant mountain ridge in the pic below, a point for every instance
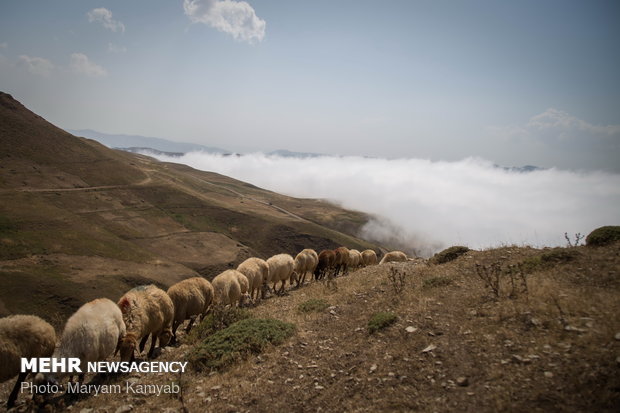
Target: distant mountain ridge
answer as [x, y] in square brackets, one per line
[121, 141]
[159, 146]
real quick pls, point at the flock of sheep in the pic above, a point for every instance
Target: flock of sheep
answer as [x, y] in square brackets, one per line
[101, 327]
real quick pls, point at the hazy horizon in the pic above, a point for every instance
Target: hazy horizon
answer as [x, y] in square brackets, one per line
[515, 83]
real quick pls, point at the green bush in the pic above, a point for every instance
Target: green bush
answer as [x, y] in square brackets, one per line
[449, 254]
[315, 305]
[549, 259]
[218, 319]
[381, 320]
[239, 340]
[603, 236]
[439, 281]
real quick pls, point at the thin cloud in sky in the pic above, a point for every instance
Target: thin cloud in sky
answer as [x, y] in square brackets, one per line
[36, 65]
[104, 16]
[424, 206]
[236, 18]
[114, 48]
[81, 64]
[557, 125]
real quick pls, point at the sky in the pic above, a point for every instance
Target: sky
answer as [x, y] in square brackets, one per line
[511, 83]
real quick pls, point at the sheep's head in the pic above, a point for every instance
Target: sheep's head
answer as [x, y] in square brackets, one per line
[127, 346]
[165, 337]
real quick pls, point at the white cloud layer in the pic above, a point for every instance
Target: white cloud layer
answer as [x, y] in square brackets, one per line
[236, 18]
[104, 16]
[424, 206]
[81, 64]
[36, 65]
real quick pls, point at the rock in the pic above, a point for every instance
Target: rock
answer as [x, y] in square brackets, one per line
[548, 374]
[462, 381]
[411, 329]
[124, 409]
[517, 359]
[214, 388]
[373, 368]
[575, 329]
[317, 387]
[431, 347]
[617, 336]
[87, 410]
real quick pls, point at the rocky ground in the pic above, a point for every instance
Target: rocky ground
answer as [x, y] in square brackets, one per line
[551, 343]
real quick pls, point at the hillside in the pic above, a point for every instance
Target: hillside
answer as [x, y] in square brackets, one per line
[549, 344]
[79, 220]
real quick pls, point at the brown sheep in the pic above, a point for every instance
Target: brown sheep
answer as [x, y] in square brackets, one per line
[327, 259]
[342, 260]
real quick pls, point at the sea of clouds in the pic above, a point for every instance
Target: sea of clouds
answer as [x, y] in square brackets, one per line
[424, 206]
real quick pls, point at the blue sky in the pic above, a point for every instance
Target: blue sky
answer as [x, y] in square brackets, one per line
[515, 83]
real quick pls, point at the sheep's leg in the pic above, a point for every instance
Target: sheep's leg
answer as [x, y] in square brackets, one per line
[152, 349]
[143, 342]
[189, 326]
[13, 396]
[175, 326]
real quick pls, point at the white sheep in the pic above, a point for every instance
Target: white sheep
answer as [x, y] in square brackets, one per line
[369, 257]
[244, 284]
[355, 258]
[227, 288]
[306, 261]
[394, 256]
[191, 298]
[280, 269]
[146, 310]
[91, 334]
[22, 336]
[257, 272]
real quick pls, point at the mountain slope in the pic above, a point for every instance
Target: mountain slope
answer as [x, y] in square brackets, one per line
[80, 221]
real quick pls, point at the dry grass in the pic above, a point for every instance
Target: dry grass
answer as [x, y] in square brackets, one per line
[455, 346]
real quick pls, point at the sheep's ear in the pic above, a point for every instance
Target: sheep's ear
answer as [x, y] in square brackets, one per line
[124, 304]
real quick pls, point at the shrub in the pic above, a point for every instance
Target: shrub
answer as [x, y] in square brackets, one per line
[237, 341]
[381, 320]
[218, 319]
[549, 259]
[398, 279]
[313, 305]
[449, 254]
[603, 236]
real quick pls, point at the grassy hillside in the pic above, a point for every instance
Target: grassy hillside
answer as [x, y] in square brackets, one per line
[448, 338]
[78, 220]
